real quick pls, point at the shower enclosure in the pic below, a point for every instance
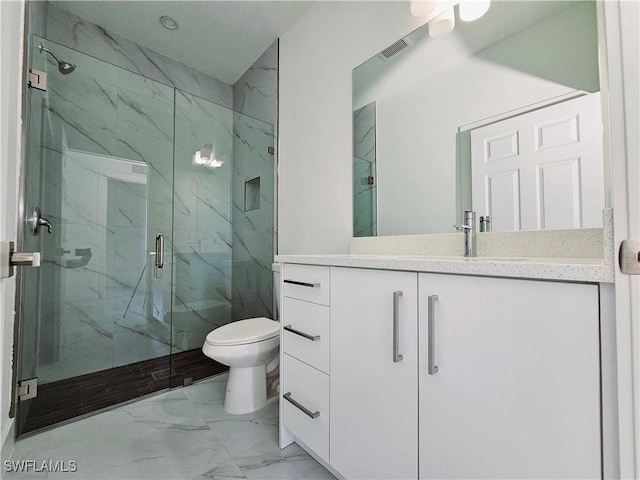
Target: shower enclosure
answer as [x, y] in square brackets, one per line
[149, 191]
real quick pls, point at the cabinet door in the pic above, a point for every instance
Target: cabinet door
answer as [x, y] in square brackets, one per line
[374, 399]
[517, 392]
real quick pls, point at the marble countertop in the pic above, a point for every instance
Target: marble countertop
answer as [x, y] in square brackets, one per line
[591, 270]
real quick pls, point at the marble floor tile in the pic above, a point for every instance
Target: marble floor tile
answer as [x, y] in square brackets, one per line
[267, 461]
[35, 448]
[225, 471]
[181, 434]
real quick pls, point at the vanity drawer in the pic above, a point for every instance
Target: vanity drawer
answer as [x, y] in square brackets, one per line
[306, 332]
[309, 389]
[306, 282]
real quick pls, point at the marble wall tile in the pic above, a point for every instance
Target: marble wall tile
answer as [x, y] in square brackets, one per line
[364, 132]
[255, 95]
[252, 229]
[364, 167]
[256, 92]
[202, 221]
[112, 135]
[69, 30]
[126, 115]
[364, 221]
[36, 17]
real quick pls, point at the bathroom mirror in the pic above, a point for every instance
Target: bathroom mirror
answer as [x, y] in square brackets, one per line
[501, 116]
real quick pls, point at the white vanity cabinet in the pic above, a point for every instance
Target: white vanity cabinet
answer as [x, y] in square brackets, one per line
[512, 389]
[305, 355]
[374, 391]
[517, 388]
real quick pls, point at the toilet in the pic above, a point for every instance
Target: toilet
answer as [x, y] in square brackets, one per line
[250, 348]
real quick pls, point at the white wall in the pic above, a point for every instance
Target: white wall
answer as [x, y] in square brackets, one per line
[317, 56]
[11, 34]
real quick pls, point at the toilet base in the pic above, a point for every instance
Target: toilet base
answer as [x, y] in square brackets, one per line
[246, 390]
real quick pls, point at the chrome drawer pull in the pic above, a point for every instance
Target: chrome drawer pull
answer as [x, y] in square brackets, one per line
[303, 284]
[313, 338]
[302, 408]
[432, 368]
[396, 327]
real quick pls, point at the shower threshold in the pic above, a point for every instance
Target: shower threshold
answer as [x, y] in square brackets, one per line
[76, 397]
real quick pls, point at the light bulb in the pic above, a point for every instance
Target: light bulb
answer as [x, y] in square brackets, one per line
[471, 10]
[422, 8]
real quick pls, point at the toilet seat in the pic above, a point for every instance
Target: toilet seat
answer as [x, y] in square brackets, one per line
[242, 332]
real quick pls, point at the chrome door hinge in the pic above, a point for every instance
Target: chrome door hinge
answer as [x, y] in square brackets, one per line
[28, 389]
[9, 259]
[629, 257]
[38, 79]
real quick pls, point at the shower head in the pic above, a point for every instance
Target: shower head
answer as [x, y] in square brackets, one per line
[63, 67]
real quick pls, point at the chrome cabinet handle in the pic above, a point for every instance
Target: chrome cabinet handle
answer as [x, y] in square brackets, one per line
[302, 284]
[299, 406]
[159, 250]
[432, 369]
[36, 220]
[313, 338]
[396, 327]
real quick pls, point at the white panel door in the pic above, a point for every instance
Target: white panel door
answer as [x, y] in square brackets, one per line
[542, 169]
[517, 393]
[374, 400]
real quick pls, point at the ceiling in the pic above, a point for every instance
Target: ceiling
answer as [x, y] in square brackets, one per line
[427, 56]
[220, 38]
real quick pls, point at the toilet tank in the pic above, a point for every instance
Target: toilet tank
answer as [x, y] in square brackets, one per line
[275, 268]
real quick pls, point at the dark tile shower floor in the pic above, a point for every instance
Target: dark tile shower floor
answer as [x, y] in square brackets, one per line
[69, 398]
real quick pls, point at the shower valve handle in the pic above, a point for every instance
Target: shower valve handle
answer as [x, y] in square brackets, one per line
[36, 220]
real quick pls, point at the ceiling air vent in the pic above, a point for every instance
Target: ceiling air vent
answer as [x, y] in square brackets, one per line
[391, 50]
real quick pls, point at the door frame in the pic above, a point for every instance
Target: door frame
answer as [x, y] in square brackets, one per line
[619, 20]
[20, 211]
[12, 137]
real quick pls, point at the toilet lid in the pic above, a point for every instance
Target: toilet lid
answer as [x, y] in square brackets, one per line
[250, 330]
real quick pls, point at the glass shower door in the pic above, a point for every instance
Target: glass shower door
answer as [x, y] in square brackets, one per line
[95, 319]
[364, 172]
[223, 226]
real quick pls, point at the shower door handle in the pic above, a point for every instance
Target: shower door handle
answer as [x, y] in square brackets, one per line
[159, 250]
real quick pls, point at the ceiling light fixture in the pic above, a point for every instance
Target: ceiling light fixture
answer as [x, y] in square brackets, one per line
[169, 23]
[422, 8]
[442, 24]
[469, 10]
[206, 157]
[473, 10]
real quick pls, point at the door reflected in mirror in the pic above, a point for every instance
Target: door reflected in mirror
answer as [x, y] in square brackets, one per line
[501, 116]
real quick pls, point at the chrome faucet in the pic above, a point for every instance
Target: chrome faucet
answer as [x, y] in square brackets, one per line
[469, 228]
